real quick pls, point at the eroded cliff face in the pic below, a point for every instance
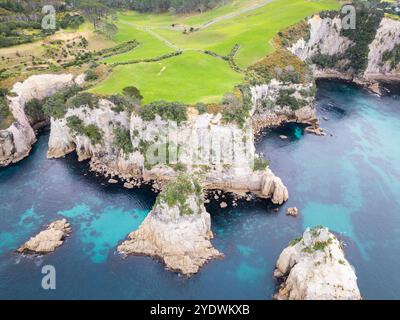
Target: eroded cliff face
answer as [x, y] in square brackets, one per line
[326, 39]
[221, 155]
[268, 113]
[177, 230]
[387, 37]
[16, 141]
[314, 267]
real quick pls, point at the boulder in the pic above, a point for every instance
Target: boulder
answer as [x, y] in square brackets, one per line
[47, 240]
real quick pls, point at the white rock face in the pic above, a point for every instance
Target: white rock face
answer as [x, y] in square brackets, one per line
[222, 155]
[325, 38]
[387, 37]
[267, 113]
[47, 240]
[314, 267]
[179, 238]
[16, 141]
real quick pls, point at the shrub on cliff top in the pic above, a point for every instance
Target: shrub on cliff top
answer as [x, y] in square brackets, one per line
[236, 106]
[122, 103]
[34, 110]
[83, 99]
[91, 130]
[173, 111]
[176, 193]
[55, 106]
[367, 24]
[281, 65]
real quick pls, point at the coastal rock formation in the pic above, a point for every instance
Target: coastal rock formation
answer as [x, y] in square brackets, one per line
[268, 113]
[326, 39]
[177, 230]
[47, 240]
[314, 267]
[222, 155]
[16, 141]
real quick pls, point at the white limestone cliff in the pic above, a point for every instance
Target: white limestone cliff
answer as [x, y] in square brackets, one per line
[177, 230]
[314, 267]
[222, 155]
[16, 141]
[268, 113]
[47, 240]
[325, 38]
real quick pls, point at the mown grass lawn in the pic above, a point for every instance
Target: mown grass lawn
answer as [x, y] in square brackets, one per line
[253, 30]
[194, 76]
[191, 77]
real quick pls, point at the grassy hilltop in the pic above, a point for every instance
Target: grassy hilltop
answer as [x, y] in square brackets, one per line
[188, 56]
[195, 76]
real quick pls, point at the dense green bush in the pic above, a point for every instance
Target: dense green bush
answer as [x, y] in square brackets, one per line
[83, 99]
[201, 108]
[286, 98]
[122, 103]
[71, 21]
[176, 193]
[123, 140]
[56, 105]
[324, 60]
[367, 24]
[5, 112]
[260, 164]
[236, 106]
[173, 111]
[90, 75]
[132, 92]
[34, 110]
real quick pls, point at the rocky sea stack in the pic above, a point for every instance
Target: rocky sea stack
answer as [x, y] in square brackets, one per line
[177, 230]
[314, 267]
[47, 240]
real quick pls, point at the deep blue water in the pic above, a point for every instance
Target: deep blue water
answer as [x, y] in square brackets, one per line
[349, 182]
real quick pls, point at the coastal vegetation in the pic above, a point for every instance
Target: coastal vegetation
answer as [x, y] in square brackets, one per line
[178, 191]
[91, 131]
[123, 140]
[392, 56]
[6, 117]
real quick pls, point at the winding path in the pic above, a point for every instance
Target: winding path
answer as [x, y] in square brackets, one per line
[234, 14]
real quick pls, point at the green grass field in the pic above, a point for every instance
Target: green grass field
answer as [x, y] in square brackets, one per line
[195, 76]
[191, 77]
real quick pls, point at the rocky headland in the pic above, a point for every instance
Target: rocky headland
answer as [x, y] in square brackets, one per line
[332, 50]
[47, 240]
[177, 230]
[314, 267]
[16, 141]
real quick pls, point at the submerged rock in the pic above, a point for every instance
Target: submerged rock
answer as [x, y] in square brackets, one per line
[314, 267]
[177, 230]
[47, 240]
[294, 212]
